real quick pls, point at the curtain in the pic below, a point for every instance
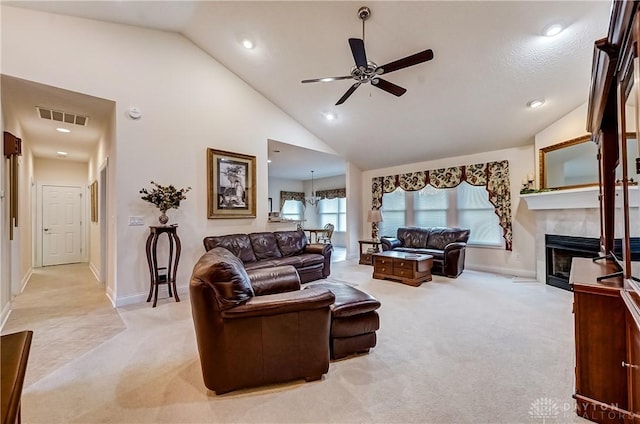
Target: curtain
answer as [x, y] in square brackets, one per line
[493, 175]
[290, 195]
[332, 194]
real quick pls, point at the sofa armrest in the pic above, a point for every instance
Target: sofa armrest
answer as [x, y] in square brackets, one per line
[279, 279]
[282, 303]
[321, 248]
[390, 243]
[454, 246]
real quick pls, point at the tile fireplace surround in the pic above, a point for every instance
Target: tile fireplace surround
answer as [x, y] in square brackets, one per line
[572, 212]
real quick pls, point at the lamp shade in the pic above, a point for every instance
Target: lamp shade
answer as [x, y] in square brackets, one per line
[374, 215]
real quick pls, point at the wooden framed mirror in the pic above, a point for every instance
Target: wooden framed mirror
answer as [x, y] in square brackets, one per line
[570, 164]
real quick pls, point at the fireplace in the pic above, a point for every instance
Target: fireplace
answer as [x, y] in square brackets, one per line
[559, 252]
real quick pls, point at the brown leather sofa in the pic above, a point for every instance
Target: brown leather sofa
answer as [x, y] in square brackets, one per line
[266, 250]
[257, 327]
[446, 245]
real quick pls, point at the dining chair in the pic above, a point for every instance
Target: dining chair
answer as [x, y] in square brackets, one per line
[325, 237]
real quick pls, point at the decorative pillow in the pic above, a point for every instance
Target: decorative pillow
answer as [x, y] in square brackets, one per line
[291, 242]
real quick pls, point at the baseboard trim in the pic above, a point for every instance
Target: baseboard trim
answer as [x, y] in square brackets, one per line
[95, 272]
[25, 279]
[4, 316]
[503, 271]
[133, 299]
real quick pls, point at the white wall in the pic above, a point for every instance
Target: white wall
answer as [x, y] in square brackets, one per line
[521, 260]
[355, 206]
[16, 255]
[188, 101]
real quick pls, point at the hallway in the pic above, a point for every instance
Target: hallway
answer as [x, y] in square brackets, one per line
[69, 313]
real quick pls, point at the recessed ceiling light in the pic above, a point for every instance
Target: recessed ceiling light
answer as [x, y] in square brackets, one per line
[330, 116]
[61, 153]
[247, 44]
[553, 30]
[535, 103]
[63, 130]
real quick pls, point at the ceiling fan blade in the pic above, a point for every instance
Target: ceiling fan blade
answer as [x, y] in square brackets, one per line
[405, 62]
[357, 49]
[389, 87]
[327, 79]
[348, 93]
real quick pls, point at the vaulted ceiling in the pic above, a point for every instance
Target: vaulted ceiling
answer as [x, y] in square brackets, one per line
[490, 59]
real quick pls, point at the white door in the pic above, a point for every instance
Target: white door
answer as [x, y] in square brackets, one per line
[61, 225]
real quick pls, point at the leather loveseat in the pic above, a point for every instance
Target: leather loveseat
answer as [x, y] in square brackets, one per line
[446, 245]
[257, 327]
[269, 249]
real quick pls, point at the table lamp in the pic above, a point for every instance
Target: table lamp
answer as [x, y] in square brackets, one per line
[374, 216]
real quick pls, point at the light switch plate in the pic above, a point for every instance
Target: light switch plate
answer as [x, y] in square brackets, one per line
[136, 220]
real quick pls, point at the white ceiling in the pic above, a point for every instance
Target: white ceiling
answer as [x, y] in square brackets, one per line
[490, 59]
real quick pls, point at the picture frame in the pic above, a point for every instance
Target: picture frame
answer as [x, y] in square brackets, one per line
[93, 189]
[231, 185]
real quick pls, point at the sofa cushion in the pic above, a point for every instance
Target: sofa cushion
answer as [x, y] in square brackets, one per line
[440, 237]
[291, 242]
[310, 259]
[238, 244]
[436, 253]
[225, 273]
[265, 246]
[414, 236]
[294, 261]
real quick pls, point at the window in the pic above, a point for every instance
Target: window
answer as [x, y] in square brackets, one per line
[393, 213]
[333, 211]
[292, 209]
[464, 206]
[477, 213]
[430, 207]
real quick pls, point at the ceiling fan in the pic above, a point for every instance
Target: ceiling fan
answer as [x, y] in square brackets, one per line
[366, 71]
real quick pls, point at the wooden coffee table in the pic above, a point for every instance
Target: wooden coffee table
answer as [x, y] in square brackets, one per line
[408, 268]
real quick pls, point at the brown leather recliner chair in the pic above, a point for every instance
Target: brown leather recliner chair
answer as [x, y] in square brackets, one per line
[257, 327]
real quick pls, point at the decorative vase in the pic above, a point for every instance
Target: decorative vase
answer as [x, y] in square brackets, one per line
[163, 218]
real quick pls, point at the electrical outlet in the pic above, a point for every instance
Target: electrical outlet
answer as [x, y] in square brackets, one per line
[136, 220]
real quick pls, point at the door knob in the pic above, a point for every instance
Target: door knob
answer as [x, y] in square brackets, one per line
[46, 229]
[627, 365]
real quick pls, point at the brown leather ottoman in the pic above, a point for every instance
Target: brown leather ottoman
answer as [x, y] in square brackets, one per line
[354, 320]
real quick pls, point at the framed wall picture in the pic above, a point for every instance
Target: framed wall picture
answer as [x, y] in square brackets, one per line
[231, 185]
[94, 201]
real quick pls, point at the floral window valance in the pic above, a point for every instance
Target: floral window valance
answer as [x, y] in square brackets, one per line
[493, 175]
[332, 194]
[290, 195]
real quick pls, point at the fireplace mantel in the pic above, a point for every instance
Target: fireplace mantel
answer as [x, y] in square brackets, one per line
[575, 198]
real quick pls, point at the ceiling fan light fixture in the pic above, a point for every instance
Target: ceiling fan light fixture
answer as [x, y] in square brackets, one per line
[553, 30]
[536, 103]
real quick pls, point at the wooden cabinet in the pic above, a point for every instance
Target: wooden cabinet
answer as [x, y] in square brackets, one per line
[600, 337]
[607, 313]
[632, 360]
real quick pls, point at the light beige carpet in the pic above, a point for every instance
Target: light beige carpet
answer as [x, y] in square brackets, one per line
[477, 349]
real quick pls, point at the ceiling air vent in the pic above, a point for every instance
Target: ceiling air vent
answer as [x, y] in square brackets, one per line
[66, 117]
